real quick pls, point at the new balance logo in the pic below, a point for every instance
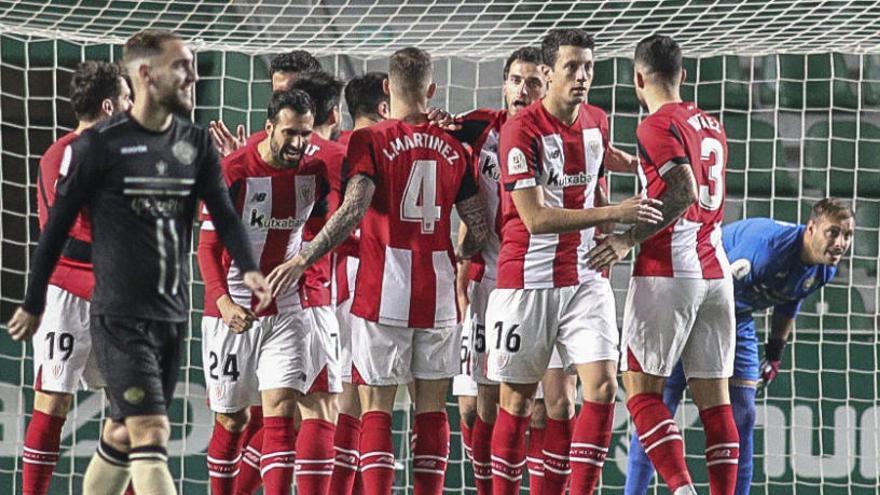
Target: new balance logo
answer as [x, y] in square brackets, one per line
[258, 197]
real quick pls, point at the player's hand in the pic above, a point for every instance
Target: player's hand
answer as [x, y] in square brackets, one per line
[639, 210]
[606, 254]
[223, 139]
[22, 325]
[617, 160]
[257, 284]
[285, 275]
[769, 370]
[237, 318]
[442, 119]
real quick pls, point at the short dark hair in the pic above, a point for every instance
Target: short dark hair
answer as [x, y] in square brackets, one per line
[324, 90]
[147, 43]
[527, 54]
[661, 57]
[564, 37]
[411, 69]
[92, 83]
[299, 61]
[832, 208]
[293, 99]
[364, 94]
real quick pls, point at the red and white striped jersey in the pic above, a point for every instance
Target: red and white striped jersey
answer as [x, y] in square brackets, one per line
[480, 129]
[537, 150]
[332, 154]
[275, 205]
[73, 272]
[682, 134]
[406, 276]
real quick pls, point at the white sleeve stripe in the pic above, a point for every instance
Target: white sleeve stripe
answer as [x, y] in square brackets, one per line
[207, 225]
[671, 164]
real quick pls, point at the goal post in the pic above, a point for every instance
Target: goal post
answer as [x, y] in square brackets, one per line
[796, 85]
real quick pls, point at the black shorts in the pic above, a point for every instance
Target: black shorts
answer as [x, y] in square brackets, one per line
[139, 360]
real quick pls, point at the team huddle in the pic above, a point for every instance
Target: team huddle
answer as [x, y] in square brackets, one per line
[331, 277]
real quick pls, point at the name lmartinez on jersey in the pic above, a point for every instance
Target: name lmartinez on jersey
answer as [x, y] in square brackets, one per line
[424, 141]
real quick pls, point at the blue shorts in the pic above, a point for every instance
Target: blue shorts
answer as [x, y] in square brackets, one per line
[745, 362]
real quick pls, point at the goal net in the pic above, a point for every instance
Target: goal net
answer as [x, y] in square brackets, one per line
[796, 84]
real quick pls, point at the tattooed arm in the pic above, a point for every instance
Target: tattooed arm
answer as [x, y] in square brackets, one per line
[473, 214]
[681, 193]
[358, 196]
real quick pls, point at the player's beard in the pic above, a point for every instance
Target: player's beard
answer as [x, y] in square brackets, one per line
[278, 155]
[175, 103]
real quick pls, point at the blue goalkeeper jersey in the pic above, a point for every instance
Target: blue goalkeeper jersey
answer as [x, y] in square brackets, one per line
[767, 270]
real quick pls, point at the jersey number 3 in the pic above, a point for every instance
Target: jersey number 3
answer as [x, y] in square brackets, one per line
[419, 203]
[712, 156]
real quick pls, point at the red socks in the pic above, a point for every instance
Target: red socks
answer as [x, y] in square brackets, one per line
[589, 445]
[249, 479]
[557, 443]
[277, 461]
[661, 438]
[535, 459]
[314, 457]
[377, 453]
[430, 452]
[42, 443]
[722, 448]
[346, 442]
[481, 456]
[466, 438]
[508, 452]
[223, 459]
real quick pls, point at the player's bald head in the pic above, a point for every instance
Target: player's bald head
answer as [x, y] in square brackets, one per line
[411, 71]
[146, 44]
[659, 58]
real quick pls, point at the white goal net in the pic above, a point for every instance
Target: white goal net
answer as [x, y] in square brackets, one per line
[796, 84]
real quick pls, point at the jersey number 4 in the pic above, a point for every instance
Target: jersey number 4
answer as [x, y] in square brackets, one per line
[712, 156]
[419, 203]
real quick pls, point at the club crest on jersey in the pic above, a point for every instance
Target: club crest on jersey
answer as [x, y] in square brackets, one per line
[516, 162]
[740, 268]
[809, 282]
[306, 193]
[184, 152]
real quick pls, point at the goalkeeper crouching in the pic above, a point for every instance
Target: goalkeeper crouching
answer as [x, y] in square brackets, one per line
[774, 264]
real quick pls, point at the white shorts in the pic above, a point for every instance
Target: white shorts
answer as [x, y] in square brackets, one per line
[343, 317]
[389, 355]
[296, 349]
[63, 356]
[463, 384]
[524, 326]
[667, 319]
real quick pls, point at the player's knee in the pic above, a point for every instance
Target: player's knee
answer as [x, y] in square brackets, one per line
[116, 435]
[53, 403]
[539, 414]
[280, 402]
[560, 407]
[234, 421]
[148, 430]
[318, 405]
[605, 391]
[742, 401]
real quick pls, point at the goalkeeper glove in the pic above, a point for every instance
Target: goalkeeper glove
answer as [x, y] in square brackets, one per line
[769, 367]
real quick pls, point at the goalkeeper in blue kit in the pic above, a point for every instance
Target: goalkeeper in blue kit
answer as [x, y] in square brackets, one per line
[774, 264]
